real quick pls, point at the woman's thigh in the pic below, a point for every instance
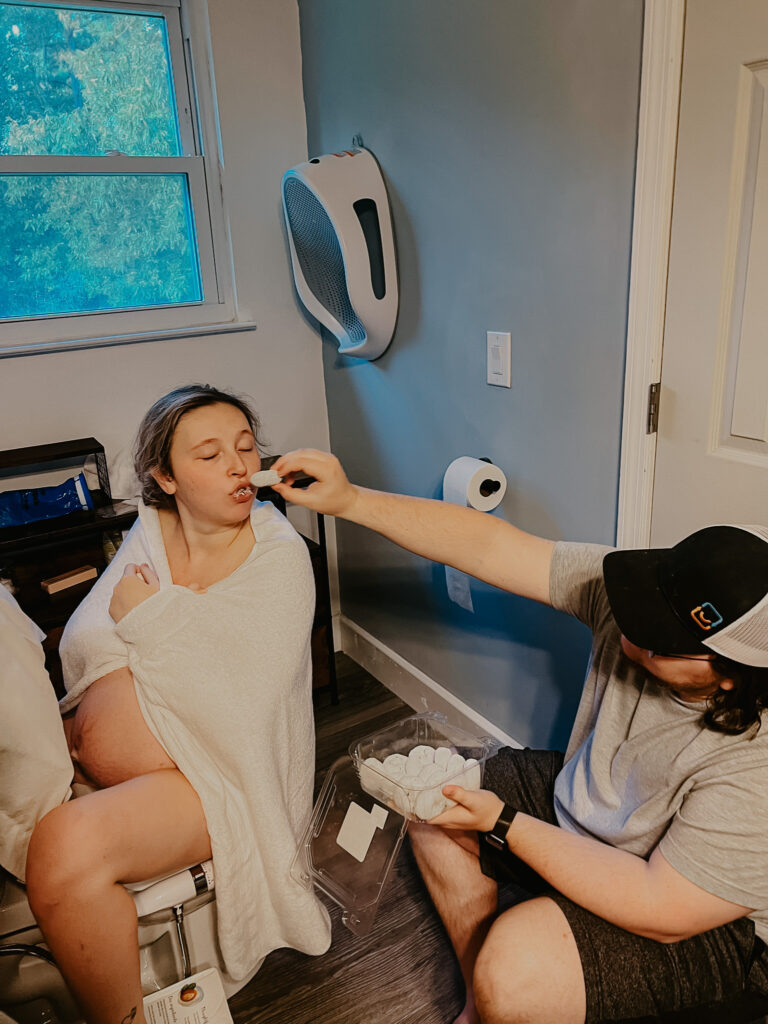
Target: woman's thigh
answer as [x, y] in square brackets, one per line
[151, 825]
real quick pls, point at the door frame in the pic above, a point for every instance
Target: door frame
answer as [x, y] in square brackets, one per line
[662, 61]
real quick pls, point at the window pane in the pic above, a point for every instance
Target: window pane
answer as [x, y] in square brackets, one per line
[74, 243]
[84, 83]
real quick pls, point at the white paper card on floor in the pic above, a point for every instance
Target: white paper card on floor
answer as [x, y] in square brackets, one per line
[199, 999]
[358, 828]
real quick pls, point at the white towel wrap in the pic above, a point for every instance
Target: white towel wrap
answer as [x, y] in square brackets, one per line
[223, 680]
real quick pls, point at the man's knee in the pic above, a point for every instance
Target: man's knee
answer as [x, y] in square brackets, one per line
[509, 972]
[528, 967]
[425, 839]
[447, 860]
[431, 843]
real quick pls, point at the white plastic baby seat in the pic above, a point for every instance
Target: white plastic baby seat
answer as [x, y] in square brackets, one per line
[172, 892]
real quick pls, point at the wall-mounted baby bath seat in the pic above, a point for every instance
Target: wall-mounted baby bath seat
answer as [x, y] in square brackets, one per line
[343, 248]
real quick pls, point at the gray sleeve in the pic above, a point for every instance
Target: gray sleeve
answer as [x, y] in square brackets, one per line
[576, 582]
[719, 837]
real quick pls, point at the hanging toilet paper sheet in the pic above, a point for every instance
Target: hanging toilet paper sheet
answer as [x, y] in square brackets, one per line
[477, 484]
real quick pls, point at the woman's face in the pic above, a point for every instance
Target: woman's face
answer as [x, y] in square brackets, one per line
[213, 455]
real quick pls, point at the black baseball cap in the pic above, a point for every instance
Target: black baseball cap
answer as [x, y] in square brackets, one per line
[709, 593]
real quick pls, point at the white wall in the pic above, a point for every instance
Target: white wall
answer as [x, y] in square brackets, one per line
[104, 392]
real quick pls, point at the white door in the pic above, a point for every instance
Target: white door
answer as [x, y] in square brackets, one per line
[712, 446]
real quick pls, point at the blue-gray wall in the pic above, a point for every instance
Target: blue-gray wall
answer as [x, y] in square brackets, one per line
[506, 130]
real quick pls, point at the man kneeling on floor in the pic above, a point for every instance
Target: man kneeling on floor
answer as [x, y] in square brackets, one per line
[640, 857]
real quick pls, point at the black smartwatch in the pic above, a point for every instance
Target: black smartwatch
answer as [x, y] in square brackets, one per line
[497, 837]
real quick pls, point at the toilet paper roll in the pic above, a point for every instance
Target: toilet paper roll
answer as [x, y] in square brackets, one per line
[475, 484]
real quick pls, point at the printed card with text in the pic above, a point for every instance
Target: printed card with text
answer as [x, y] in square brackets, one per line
[196, 1000]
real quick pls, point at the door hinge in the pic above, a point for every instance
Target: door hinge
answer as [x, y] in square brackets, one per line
[652, 417]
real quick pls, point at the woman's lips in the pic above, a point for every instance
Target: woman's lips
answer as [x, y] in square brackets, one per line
[243, 494]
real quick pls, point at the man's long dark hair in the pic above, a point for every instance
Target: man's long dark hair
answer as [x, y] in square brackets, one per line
[734, 711]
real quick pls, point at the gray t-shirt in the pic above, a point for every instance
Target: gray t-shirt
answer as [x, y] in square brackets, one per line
[642, 770]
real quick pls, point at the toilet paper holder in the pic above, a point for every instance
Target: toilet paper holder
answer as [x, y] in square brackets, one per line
[488, 487]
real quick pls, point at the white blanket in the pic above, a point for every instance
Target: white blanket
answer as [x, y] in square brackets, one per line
[223, 680]
[35, 766]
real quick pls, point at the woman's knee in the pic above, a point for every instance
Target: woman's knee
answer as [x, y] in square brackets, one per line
[60, 858]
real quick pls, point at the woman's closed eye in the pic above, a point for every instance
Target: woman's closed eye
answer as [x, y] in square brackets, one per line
[243, 451]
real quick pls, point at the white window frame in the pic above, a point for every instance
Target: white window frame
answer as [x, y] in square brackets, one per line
[192, 74]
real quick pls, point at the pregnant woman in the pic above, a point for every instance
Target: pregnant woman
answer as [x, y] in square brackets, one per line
[189, 711]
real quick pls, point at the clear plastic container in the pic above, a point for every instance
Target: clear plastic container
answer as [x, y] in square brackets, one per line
[415, 798]
[325, 862]
[356, 830]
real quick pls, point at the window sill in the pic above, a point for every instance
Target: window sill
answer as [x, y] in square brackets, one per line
[37, 348]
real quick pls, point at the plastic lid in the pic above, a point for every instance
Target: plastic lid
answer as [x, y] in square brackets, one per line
[349, 846]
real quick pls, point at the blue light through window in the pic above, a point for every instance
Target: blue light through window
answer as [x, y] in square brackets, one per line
[76, 236]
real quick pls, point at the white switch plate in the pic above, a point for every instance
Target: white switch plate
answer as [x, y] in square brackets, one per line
[499, 359]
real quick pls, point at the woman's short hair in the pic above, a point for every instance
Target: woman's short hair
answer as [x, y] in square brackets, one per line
[152, 450]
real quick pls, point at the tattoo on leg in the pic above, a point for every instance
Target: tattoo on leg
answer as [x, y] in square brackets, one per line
[129, 1017]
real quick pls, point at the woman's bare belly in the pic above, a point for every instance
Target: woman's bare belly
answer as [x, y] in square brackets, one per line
[109, 741]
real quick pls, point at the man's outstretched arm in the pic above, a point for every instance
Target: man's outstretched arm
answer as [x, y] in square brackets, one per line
[481, 545]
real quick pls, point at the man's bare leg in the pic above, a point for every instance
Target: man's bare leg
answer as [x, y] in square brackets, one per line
[464, 897]
[529, 969]
[79, 854]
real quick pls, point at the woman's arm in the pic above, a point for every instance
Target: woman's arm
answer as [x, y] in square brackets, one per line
[481, 545]
[649, 898]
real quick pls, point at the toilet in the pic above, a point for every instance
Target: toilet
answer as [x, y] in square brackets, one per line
[32, 989]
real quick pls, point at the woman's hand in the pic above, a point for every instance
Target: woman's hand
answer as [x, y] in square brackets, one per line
[138, 583]
[475, 810]
[332, 494]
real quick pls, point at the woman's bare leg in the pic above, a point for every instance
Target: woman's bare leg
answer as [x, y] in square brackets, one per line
[79, 855]
[464, 897]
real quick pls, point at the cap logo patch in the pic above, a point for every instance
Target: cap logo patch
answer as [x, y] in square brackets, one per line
[706, 616]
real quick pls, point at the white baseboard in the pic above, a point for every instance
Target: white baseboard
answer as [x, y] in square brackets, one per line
[412, 685]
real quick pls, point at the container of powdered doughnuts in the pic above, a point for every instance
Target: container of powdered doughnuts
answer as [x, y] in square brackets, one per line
[406, 765]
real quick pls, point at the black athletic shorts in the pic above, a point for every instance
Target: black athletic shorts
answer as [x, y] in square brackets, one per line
[718, 977]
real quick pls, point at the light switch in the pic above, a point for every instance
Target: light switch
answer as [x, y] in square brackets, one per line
[499, 359]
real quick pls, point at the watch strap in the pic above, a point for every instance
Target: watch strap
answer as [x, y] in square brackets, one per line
[497, 837]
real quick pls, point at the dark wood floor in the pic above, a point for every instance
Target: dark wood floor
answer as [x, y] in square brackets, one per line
[403, 971]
